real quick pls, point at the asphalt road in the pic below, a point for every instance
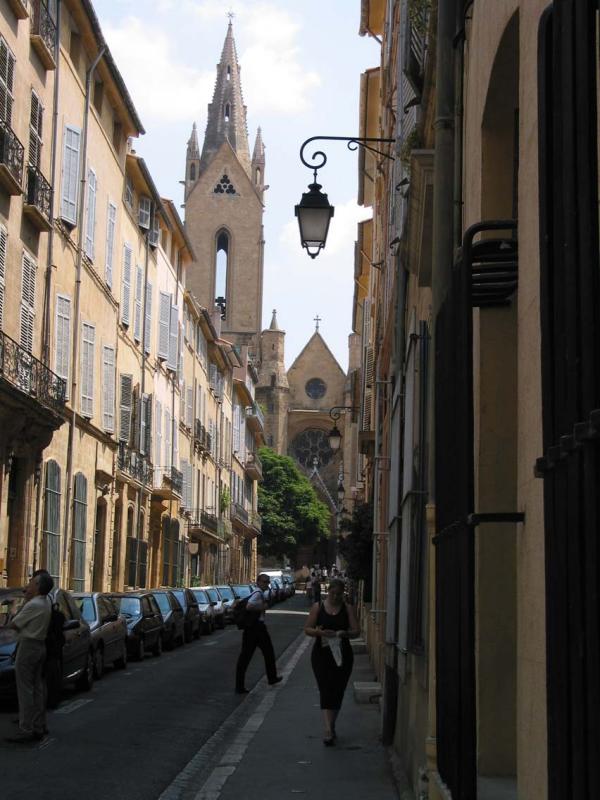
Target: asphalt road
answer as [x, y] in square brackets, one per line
[134, 732]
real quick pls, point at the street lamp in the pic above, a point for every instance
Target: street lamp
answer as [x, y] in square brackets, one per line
[335, 436]
[314, 211]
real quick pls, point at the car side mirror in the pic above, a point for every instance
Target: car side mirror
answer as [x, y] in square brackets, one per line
[71, 625]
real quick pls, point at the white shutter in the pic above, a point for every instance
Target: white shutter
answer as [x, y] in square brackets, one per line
[184, 490]
[143, 407]
[158, 434]
[145, 208]
[126, 285]
[190, 487]
[62, 351]
[198, 402]
[175, 443]
[168, 432]
[182, 402]
[90, 224]
[164, 318]
[148, 319]
[35, 131]
[88, 335]
[111, 220]
[139, 288]
[27, 301]
[3, 253]
[173, 338]
[189, 406]
[7, 72]
[236, 429]
[126, 382]
[70, 174]
[108, 388]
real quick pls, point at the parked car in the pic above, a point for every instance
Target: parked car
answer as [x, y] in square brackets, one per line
[289, 581]
[278, 590]
[144, 622]
[217, 606]
[173, 617]
[241, 590]
[206, 609]
[192, 621]
[109, 630]
[228, 599]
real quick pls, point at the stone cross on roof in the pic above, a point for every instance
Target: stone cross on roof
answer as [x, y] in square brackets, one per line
[316, 320]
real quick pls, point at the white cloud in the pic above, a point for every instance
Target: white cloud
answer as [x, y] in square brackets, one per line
[161, 87]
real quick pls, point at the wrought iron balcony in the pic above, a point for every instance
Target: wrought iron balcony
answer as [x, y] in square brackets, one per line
[255, 417]
[256, 520]
[134, 464]
[11, 159]
[209, 521]
[176, 478]
[202, 437]
[24, 372]
[38, 199]
[254, 467]
[43, 34]
[239, 512]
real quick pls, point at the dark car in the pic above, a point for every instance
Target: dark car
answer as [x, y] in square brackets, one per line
[206, 609]
[189, 604]
[173, 617]
[109, 630]
[144, 622]
[217, 604]
[228, 599]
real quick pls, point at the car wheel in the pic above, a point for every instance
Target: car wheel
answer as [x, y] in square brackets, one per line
[98, 663]
[86, 680]
[121, 662]
[197, 631]
[141, 651]
[158, 647]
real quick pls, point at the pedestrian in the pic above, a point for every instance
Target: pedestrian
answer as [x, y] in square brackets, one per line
[256, 635]
[332, 623]
[308, 589]
[31, 624]
[316, 586]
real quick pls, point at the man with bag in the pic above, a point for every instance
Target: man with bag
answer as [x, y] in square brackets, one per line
[256, 635]
[31, 624]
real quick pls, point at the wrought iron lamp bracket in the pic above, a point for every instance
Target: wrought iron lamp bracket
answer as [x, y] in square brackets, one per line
[336, 412]
[319, 159]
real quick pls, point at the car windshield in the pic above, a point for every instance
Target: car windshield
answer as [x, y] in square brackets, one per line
[200, 595]
[163, 602]
[225, 592]
[180, 595]
[212, 593]
[128, 606]
[242, 590]
[86, 607]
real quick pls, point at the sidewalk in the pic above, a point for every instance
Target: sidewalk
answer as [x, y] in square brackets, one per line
[278, 749]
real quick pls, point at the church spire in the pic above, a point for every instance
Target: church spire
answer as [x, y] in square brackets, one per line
[258, 164]
[193, 151]
[192, 161]
[227, 112]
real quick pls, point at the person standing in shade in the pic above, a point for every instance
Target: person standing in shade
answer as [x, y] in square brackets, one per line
[256, 635]
[332, 623]
[31, 624]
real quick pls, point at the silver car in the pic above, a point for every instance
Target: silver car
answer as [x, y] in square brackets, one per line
[109, 630]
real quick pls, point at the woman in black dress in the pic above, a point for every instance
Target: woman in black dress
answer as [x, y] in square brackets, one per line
[332, 623]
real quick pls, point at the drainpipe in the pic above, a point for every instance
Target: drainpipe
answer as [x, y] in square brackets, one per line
[75, 345]
[174, 380]
[142, 392]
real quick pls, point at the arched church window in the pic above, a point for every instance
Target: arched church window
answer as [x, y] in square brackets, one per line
[315, 388]
[221, 271]
[257, 177]
[224, 186]
[228, 73]
[309, 445]
[227, 112]
[192, 172]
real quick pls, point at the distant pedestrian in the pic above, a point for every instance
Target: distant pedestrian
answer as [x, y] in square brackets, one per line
[308, 589]
[332, 623]
[316, 586]
[31, 624]
[256, 635]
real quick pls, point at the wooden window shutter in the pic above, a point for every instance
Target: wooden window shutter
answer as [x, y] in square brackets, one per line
[146, 425]
[29, 268]
[173, 338]
[158, 434]
[126, 285]
[168, 432]
[62, 353]
[108, 388]
[3, 254]
[164, 318]
[144, 212]
[35, 131]
[148, 319]
[182, 402]
[126, 390]
[88, 335]
[184, 490]
[70, 174]
[189, 406]
[90, 223]
[175, 444]
[111, 220]
[7, 72]
[139, 288]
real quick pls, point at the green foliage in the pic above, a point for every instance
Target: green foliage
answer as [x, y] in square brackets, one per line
[357, 547]
[291, 511]
[225, 499]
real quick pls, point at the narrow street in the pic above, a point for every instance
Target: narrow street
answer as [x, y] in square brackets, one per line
[136, 730]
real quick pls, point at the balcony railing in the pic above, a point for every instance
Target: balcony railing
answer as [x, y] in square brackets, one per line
[134, 464]
[256, 411]
[38, 201]
[202, 437]
[239, 512]
[11, 159]
[43, 34]
[256, 520]
[254, 466]
[209, 521]
[176, 478]
[30, 376]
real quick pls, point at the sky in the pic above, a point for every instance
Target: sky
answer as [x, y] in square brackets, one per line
[301, 62]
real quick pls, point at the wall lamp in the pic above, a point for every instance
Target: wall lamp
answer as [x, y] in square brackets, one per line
[314, 211]
[335, 436]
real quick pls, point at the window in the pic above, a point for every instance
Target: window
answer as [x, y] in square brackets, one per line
[3, 252]
[227, 112]
[315, 388]
[146, 425]
[168, 432]
[126, 285]
[88, 335]
[90, 223]
[70, 174]
[139, 288]
[126, 389]
[224, 186]
[27, 302]
[148, 319]
[62, 353]
[158, 434]
[98, 96]
[35, 131]
[189, 406]
[228, 73]
[192, 172]
[164, 318]
[111, 219]
[129, 193]
[144, 212]
[79, 533]
[309, 445]
[51, 521]
[221, 271]
[7, 74]
[75, 48]
[173, 338]
[108, 388]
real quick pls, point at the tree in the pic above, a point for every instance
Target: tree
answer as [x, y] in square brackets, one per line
[357, 547]
[291, 511]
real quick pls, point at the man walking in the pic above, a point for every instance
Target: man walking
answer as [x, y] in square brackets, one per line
[256, 635]
[31, 624]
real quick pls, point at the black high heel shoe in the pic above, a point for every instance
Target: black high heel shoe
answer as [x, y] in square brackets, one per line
[329, 741]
